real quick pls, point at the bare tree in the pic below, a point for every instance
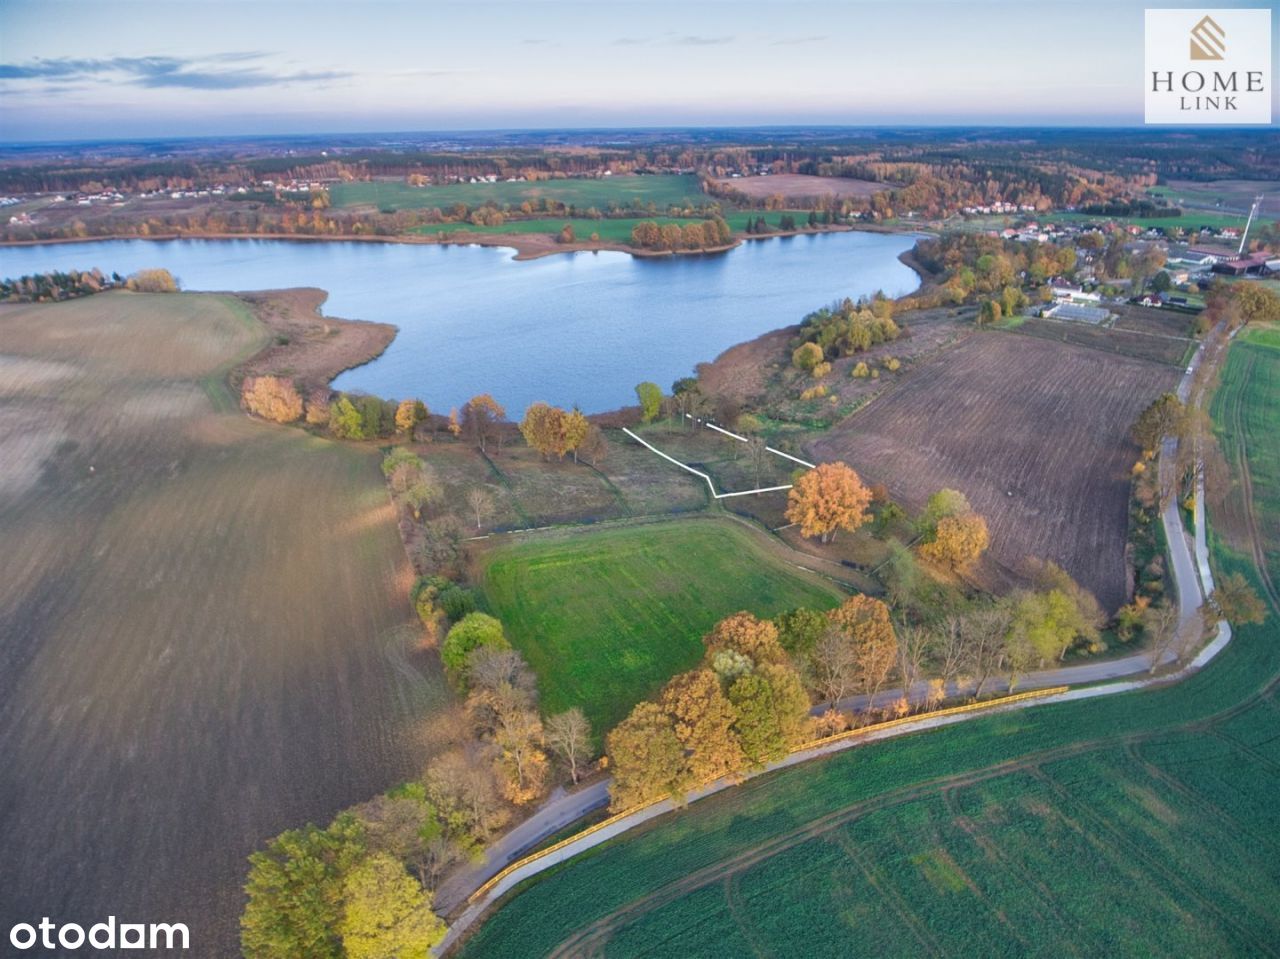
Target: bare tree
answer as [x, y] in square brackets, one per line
[914, 646]
[950, 650]
[568, 735]
[833, 666]
[480, 502]
[1160, 624]
[983, 633]
[757, 456]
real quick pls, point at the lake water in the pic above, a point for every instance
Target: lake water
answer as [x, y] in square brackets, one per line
[578, 328]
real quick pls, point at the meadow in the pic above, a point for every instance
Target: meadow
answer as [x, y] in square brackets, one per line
[606, 617]
[1138, 824]
[611, 230]
[661, 190]
[206, 631]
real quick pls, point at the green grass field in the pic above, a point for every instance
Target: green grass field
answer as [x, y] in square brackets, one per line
[1138, 825]
[611, 230]
[606, 617]
[663, 191]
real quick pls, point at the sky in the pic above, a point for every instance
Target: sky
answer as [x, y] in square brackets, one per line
[136, 68]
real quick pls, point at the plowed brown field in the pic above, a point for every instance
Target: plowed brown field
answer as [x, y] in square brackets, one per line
[1034, 433]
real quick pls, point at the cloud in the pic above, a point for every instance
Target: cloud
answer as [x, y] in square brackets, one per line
[205, 73]
[696, 41]
[630, 41]
[797, 41]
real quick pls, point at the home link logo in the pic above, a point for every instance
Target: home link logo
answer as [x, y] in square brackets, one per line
[1208, 41]
[108, 935]
[1208, 66]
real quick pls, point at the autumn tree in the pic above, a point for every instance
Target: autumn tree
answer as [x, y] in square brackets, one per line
[462, 785]
[568, 735]
[647, 758]
[576, 427]
[543, 428]
[409, 414]
[984, 636]
[274, 398]
[957, 541]
[771, 713]
[153, 281]
[650, 397]
[1235, 601]
[482, 417]
[744, 633]
[386, 915]
[864, 622]
[826, 499]
[455, 425]
[703, 721]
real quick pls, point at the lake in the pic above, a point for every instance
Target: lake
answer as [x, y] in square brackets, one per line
[578, 328]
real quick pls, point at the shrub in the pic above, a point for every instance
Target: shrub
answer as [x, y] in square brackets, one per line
[807, 356]
[152, 281]
[892, 364]
[860, 371]
[821, 370]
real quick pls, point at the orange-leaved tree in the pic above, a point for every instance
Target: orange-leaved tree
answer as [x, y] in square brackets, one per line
[826, 499]
[273, 398]
[864, 622]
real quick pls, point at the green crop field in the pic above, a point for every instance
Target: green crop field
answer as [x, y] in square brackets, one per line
[611, 230]
[1140, 824]
[204, 626]
[606, 617]
[662, 191]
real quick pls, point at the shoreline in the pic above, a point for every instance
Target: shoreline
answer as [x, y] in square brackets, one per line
[525, 246]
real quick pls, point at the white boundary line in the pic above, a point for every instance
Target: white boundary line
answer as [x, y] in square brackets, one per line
[703, 476]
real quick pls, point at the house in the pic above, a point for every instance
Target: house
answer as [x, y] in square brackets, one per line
[1066, 293]
[1151, 299]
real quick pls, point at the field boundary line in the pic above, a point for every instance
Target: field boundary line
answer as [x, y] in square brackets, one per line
[703, 476]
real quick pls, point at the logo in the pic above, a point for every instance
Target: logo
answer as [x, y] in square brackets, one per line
[1208, 66]
[1207, 40]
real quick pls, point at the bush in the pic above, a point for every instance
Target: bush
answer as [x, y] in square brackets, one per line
[152, 281]
[860, 371]
[892, 364]
[807, 356]
[821, 370]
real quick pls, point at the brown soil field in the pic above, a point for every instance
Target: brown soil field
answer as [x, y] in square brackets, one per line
[796, 186]
[205, 636]
[1034, 433]
[1147, 319]
[1157, 348]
